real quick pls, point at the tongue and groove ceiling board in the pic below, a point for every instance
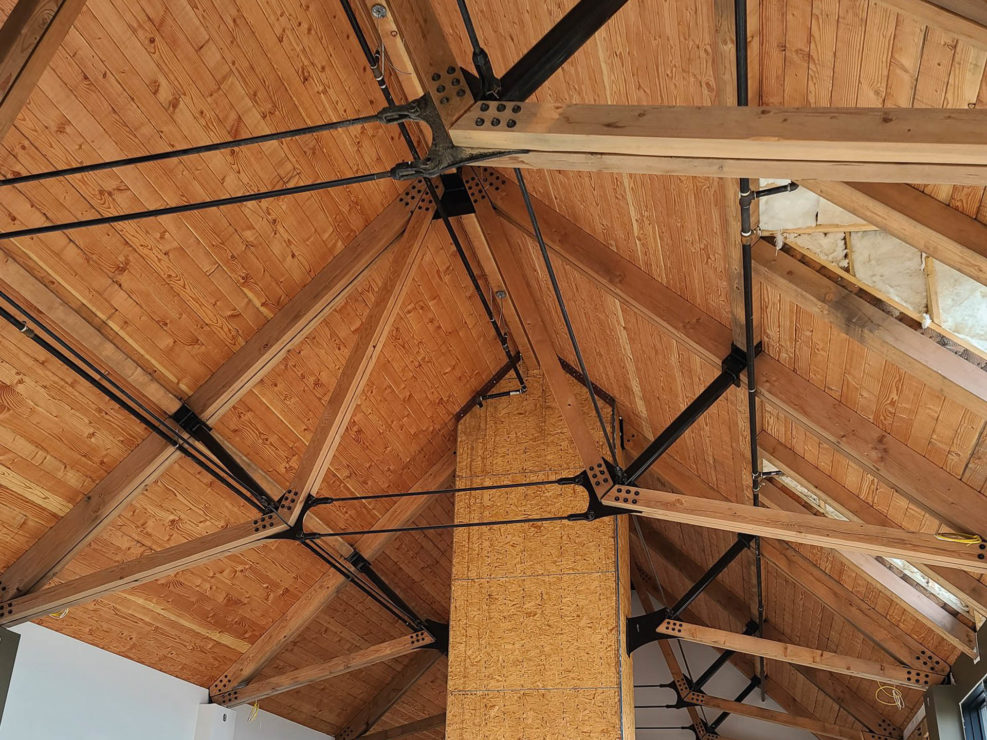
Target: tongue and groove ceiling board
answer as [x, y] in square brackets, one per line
[180, 294]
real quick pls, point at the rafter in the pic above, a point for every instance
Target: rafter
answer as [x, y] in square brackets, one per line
[780, 718]
[310, 603]
[399, 685]
[135, 572]
[104, 501]
[411, 728]
[29, 38]
[855, 508]
[933, 489]
[912, 599]
[895, 145]
[389, 650]
[329, 430]
[794, 527]
[942, 370]
[506, 247]
[916, 218]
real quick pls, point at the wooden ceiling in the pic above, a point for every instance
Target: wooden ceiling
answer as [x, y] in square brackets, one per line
[179, 294]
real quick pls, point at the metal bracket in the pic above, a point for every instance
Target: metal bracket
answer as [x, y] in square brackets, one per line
[595, 508]
[736, 362]
[188, 420]
[455, 199]
[643, 630]
[440, 634]
[443, 155]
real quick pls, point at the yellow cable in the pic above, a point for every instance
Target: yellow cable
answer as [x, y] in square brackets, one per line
[59, 615]
[896, 699]
[960, 538]
[253, 711]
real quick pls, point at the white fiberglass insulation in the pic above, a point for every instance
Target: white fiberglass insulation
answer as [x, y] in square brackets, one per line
[963, 305]
[892, 267]
[795, 210]
[829, 247]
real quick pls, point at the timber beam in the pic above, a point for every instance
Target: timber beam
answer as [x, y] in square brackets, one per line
[797, 527]
[815, 726]
[864, 144]
[389, 650]
[848, 665]
[411, 728]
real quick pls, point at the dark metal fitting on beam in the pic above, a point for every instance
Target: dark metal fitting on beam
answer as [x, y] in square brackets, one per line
[489, 82]
[440, 634]
[456, 199]
[595, 509]
[736, 362]
[188, 420]
[410, 111]
[776, 190]
[762, 474]
[358, 562]
[643, 630]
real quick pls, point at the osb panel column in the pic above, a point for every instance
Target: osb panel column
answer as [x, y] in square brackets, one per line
[537, 624]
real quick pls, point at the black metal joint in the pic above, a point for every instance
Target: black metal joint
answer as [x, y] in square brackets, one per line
[595, 509]
[643, 630]
[359, 563]
[456, 200]
[189, 421]
[410, 111]
[440, 634]
[736, 362]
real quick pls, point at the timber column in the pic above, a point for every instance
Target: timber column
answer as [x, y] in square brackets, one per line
[537, 624]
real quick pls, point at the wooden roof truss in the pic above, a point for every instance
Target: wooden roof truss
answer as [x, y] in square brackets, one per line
[835, 150]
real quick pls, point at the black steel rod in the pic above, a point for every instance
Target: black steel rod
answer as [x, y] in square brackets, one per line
[309, 536]
[199, 206]
[746, 238]
[744, 693]
[204, 435]
[679, 426]
[203, 149]
[718, 567]
[557, 290]
[563, 40]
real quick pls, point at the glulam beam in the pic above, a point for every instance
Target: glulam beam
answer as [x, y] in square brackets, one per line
[867, 144]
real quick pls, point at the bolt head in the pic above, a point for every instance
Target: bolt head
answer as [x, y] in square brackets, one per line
[378, 11]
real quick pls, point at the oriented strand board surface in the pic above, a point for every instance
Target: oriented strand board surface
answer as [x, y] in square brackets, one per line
[537, 609]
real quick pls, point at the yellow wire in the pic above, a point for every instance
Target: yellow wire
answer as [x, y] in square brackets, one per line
[253, 711]
[61, 614]
[961, 538]
[897, 700]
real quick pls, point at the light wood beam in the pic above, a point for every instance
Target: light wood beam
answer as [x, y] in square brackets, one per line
[917, 219]
[320, 672]
[794, 527]
[307, 607]
[845, 664]
[947, 498]
[316, 459]
[387, 697]
[135, 572]
[411, 728]
[833, 595]
[850, 505]
[507, 248]
[912, 599]
[965, 19]
[111, 495]
[829, 684]
[942, 370]
[827, 729]
[716, 139]
[29, 38]
[435, 65]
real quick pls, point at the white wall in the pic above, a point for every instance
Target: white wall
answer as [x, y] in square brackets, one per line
[64, 689]
[650, 668]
